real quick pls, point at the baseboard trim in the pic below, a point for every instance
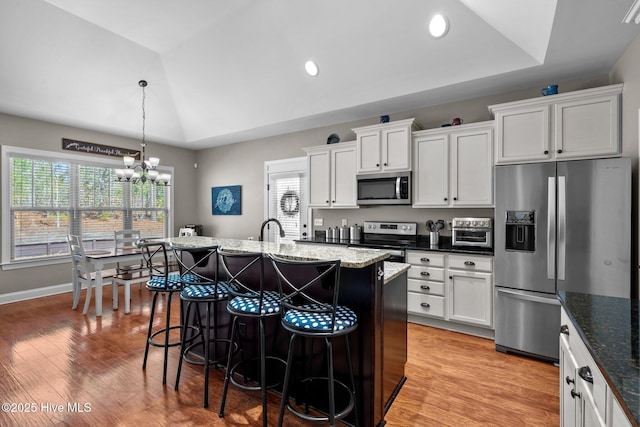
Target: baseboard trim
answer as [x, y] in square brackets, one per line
[35, 293]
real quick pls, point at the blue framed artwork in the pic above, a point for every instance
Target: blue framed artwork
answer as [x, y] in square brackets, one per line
[226, 200]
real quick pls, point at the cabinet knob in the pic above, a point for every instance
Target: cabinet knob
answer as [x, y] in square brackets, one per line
[377, 164]
[425, 305]
[569, 380]
[469, 263]
[546, 151]
[450, 277]
[425, 287]
[445, 199]
[455, 198]
[424, 259]
[327, 201]
[385, 164]
[424, 273]
[333, 201]
[559, 151]
[574, 394]
[564, 329]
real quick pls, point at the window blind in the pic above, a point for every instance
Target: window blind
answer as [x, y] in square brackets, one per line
[52, 198]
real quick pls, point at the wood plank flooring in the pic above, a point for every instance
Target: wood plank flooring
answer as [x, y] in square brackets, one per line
[58, 367]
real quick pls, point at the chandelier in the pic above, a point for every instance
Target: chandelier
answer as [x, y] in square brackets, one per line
[146, 170]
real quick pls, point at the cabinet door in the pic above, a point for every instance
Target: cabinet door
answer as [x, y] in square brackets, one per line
[319, 178]
[472, 168]
[470, 297]
[396, 149]
[569, 400]
[587, 128]
[523, 135]
[431, 171]
[369, 152]
[343, 172]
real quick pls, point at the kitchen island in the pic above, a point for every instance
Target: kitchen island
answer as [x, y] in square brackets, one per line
[379, 345]
[610, 330]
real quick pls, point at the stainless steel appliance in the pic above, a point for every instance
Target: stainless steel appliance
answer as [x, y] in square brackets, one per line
[384, 189]
[558, 226]
[394, 237]
[472, 232]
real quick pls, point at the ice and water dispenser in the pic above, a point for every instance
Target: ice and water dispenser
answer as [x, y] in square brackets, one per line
[521, 231]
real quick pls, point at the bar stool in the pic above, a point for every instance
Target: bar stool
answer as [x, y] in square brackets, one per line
[309, 297]
[197, 288]
[161, 281]
[251, 301]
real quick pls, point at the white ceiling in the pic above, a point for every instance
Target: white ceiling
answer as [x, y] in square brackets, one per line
[223, 71]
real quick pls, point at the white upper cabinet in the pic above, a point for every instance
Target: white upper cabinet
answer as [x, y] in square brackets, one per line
[384, 147]
[453, 166]
[332, 175]
[574, 125]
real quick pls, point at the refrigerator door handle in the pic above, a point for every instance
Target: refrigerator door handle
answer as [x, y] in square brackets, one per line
[528, 297]
[562, 225]
[551, 228]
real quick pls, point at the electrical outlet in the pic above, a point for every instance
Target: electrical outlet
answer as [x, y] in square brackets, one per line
[344, 222]
[318, 221]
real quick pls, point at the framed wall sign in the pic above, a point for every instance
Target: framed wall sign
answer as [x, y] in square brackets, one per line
[92, 148]
[226, 200]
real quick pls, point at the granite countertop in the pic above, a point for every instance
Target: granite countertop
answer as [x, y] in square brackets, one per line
[610, 329]
[349, 257]
[393, 270]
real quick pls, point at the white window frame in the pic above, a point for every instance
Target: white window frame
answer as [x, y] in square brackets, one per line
[7, 152]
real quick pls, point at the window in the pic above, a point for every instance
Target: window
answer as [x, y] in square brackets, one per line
[47, 195]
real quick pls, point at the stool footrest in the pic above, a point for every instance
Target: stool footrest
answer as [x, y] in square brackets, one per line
[251, 373]
[319, 399]
[167, 330]
[188, 357]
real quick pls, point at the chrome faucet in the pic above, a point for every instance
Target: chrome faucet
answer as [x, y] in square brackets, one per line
[268, 221]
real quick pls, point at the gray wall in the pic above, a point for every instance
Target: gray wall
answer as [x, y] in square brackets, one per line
[27, 133]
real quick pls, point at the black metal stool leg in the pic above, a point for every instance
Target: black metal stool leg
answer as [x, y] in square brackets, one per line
[166, 338]
[146, 348]
[205, 337]
[285, 384]
[332, 402]
[225, 386]
[263, 372]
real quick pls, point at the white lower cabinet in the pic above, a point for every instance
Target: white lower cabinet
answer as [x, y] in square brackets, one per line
[457, 288]
[585, 398]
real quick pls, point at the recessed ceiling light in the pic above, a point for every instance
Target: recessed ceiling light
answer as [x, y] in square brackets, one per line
[438, 26]
[311, 68]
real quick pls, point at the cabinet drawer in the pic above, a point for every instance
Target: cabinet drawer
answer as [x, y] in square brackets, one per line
[425, 287]
[429, 305]
[426, 273]
[430, 259]
[471, 263]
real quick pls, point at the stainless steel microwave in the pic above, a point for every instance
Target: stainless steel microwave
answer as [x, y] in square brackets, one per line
[384, 188]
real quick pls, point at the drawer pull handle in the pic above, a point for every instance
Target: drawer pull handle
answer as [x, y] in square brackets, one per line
[425, 287]
[424, 273]
[425, 260]
[469, 263]
[569, 380]
[574, 394]
[425, 305]
[585, 374]
[564, 329]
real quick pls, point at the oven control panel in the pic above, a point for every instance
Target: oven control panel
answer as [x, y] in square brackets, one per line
[471, 223]
[397, 228]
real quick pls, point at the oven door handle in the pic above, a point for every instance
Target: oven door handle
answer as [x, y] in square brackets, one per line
[398, 194]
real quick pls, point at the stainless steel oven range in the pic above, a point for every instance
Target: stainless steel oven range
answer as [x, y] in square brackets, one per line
[391, 236]
[472, 232]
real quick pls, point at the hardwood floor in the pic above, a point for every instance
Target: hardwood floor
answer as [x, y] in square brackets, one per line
[69, 370]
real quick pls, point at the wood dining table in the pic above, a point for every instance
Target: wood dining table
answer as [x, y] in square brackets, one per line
[101, 257]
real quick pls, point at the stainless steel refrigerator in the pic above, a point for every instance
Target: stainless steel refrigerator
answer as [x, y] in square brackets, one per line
[558, 226]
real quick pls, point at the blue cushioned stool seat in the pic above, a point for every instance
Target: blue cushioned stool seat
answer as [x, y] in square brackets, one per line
[305, 320]
[270, 303]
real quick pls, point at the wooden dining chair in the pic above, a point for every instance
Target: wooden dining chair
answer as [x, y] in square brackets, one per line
[83, 275]
[128, 274]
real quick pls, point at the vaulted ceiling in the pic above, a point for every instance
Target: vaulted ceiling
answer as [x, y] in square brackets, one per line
[222, 71]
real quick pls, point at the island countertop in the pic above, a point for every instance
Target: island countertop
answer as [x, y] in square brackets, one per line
[349, 257]
[610, 329]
